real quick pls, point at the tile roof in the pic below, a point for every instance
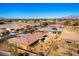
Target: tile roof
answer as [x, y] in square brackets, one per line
[27, 39]
[13, 25]
[56, 25]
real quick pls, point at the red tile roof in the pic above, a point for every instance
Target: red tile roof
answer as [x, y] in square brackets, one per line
[56, 25]
[27, 39]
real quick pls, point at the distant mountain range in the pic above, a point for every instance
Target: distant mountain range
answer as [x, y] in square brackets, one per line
[71, 17]
[64, 17]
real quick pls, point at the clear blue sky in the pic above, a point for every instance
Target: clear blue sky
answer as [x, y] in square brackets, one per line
[36, 10]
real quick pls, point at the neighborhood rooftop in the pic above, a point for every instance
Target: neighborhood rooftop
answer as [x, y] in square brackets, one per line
[28, 39]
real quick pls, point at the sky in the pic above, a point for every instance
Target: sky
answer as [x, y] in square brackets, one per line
[38, 10]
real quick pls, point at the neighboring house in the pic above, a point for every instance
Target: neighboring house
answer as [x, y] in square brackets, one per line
[50, 29]
[26, 40]
[13, 26]
[56, 25]
[3, 32]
